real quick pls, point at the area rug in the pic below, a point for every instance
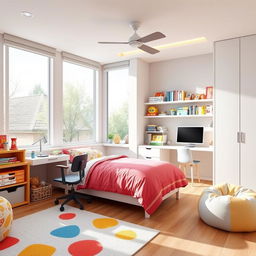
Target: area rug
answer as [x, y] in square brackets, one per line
[74, 232]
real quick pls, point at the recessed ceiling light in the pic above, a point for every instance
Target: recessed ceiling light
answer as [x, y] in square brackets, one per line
[171, 45]
[27, 14]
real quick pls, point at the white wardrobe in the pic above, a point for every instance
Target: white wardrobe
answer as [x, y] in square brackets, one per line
[235, 111]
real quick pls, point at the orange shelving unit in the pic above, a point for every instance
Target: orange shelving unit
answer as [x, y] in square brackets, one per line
[17, 193]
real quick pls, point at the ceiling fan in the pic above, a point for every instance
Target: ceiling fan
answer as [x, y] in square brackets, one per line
[136, 41]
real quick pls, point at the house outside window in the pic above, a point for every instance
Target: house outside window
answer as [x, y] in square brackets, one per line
[29, 76]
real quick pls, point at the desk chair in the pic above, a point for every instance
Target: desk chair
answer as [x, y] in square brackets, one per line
[184, 158]
[78, 165]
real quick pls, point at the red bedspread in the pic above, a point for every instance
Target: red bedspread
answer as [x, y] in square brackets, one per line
[146, 180]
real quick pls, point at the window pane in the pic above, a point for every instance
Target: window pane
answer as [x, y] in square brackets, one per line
[118, 102]
[28, 96]
[78, 103]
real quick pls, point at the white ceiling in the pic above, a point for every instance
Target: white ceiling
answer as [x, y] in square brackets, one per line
[76, 26]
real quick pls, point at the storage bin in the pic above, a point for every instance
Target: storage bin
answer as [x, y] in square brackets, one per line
[41, 193]
[11, 177]
[14, 194]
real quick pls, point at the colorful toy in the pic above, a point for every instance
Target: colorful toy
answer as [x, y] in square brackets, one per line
[14, 144]
[152, 111]
[6, 217]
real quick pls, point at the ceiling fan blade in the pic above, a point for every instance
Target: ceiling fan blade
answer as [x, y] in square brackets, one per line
[148, 49]
[112, 42]
[151, 37]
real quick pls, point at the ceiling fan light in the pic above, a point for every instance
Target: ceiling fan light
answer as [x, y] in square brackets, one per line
[165, 46]
[182, 43]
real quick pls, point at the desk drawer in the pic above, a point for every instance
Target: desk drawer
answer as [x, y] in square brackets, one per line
[149, 152]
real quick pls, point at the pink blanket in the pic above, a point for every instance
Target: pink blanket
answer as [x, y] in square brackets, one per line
[146, 180]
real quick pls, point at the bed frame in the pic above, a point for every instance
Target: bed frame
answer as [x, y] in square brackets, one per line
[124, 198]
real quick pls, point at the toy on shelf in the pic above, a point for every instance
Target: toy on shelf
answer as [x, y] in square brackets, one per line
[14, 144]
[152, 111]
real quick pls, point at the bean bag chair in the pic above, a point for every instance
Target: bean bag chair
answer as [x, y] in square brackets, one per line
[6, 217]
[229, 207]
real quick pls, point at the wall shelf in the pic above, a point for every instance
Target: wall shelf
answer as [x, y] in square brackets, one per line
[179, 102]
[180, 116]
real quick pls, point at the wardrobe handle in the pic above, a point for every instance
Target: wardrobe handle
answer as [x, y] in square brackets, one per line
[238, 137]
[243, 137]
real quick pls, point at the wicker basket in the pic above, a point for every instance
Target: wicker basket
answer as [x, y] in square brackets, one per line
[41, 193]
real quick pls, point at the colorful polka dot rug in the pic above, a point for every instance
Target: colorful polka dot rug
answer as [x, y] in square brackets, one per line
[73, 232]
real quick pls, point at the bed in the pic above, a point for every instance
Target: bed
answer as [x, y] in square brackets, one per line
[139, 182]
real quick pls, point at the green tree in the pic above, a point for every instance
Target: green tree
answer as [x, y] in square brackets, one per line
[118, 121]
[78, 111]
[37, 90]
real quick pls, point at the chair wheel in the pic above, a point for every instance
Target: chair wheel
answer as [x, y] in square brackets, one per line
[61, 208]
[81, 207]
[56, 201]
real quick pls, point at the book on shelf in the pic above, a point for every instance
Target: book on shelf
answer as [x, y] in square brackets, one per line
[3, 139]
[8, 160]
[176, 95]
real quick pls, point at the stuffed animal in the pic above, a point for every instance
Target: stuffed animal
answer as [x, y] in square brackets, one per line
[34, 182]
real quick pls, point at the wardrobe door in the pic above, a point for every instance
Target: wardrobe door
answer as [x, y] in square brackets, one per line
[226, 72]
[248, 115]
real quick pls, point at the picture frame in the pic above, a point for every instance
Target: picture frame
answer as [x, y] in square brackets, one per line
[209, 92]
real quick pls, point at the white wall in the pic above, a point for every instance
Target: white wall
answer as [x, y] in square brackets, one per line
[184, 74]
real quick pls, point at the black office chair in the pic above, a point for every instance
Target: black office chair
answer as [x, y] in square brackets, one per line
[78, 165]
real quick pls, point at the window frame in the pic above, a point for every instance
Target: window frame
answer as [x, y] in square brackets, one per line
[95, 99]
[106, 69]
[6, 91]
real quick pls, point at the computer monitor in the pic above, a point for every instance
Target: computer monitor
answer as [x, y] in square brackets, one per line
[190, 135]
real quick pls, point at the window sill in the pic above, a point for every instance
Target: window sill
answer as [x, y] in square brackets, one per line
[116, 145]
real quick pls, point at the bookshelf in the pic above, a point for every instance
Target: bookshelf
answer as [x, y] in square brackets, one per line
[20, 164]
[180, 102]
[180, 116]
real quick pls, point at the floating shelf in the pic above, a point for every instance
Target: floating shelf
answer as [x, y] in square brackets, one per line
[177, 116]
[179, 102]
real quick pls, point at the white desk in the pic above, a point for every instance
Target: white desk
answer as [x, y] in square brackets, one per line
[47, 160]
[175, 147]
[45, 168]
[168, 153]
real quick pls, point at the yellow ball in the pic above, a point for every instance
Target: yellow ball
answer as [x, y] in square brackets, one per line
[6, 217]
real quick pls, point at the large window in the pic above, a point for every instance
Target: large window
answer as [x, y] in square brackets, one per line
[79, 84]
[29, 82]
[117, 84]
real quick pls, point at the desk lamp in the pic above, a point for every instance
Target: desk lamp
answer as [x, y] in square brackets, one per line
[40, 141]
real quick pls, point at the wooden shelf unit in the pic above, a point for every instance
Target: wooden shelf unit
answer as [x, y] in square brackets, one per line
[21, 165]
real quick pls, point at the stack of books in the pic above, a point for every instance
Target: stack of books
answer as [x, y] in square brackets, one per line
[156, 99]
[8, 160]
[151, 128]
[175, 95]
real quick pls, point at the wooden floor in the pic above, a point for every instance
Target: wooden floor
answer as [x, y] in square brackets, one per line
[181, 230]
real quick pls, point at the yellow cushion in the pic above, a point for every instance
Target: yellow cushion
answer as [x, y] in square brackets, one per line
[6, 217]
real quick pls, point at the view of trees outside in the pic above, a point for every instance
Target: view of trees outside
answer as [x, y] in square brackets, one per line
[118, 102]
[28, 96]
[78, 103]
